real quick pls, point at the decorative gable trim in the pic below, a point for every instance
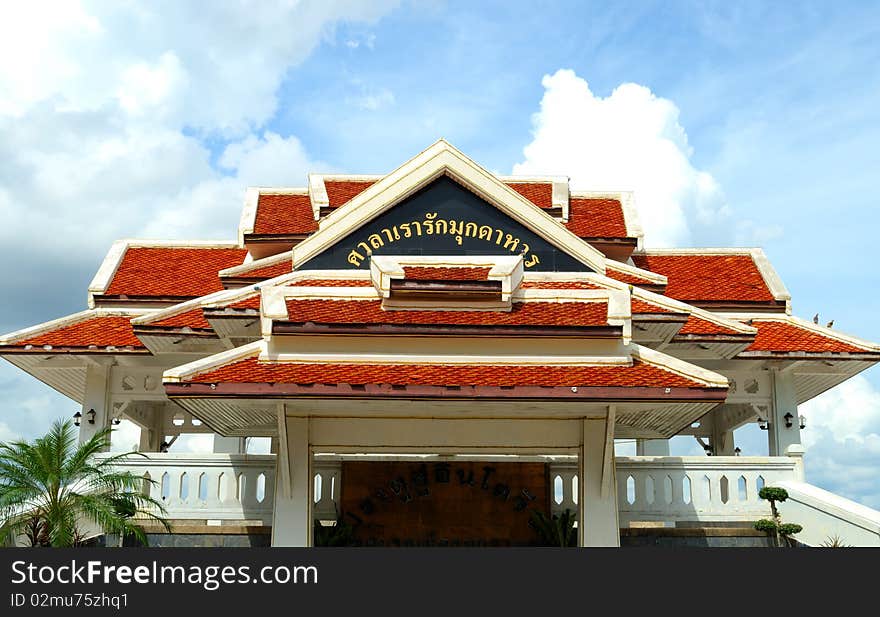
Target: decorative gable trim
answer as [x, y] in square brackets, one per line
[438, 160]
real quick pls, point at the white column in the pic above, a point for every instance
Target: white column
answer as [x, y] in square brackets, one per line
[228, 445]
[292, 519]
[597, 487]
[652, 447]
[96, 397]
[779, 436]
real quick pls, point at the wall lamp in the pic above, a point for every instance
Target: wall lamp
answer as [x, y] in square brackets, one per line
[788, 420]
[762, 424]
[91, 414]
[737, 451]
[77, 417]
[116, 421]
[803, 421]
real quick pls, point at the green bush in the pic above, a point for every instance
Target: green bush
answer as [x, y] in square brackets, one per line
[765, 525]
[773, 493]
[790, 529]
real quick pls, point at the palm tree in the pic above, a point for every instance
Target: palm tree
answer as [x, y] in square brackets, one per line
[61, 482]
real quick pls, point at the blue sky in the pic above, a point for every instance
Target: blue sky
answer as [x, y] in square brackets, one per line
[740, 124]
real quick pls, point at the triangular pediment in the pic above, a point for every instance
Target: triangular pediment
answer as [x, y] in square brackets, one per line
[442, 203]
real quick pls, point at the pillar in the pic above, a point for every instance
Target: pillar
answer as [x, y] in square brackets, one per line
[96, 397]
[652, 447]
[292, 518]
[721, 440]
[780, 437]
[597, 487]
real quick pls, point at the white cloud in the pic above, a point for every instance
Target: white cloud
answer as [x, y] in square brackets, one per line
[848, 413]
[630, 140]
[107, 111]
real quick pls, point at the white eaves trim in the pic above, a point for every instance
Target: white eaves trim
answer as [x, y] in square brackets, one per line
[69, 320]
[107, 270]
[683, 307]
[807, 325]
[256, 264]
[617, 266]
[203, 365]
[680, 367]
[505, 268]
[442, 159]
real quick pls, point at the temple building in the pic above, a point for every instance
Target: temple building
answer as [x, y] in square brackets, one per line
[440, 353]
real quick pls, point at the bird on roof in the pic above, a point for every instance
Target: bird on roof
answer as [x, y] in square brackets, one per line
[816, 318]
[830, 324]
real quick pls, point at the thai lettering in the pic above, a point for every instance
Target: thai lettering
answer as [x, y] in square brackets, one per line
[434, 226]
[355, 258]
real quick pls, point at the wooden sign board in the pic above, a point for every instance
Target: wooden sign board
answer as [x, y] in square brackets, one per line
[467, 503]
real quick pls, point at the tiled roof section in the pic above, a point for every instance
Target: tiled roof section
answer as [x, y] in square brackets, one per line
[268, 272]
[629, 279]
[642, 307]
[340, 192]
[539, 193]
[558, 285]
[194, 318]
[639, 374]
[332, 283]
[719, 278]
[570, 314]
[596, 218]
[446, 274]
[99, 331]
[783, 336]
[697, 325]
[170, 271]
[251, 302]
[284, 214]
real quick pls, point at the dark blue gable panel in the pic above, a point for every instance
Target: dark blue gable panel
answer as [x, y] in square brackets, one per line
[444, 219]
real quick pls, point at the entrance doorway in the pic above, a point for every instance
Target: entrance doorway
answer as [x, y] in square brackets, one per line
[444, 502]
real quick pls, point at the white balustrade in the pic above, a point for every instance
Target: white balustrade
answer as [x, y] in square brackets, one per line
[236, 487]
[697, 488]
[674, 489]
[211, 487]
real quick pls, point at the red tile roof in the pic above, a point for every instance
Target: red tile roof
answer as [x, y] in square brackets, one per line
[596, 218]
[446, 274]
[630, 279]
[642, 307]
[340, 192]
[176, 272]
[268, 272]
[637, 375]
[718, 278]
[194, 318]
[284, 214]
[783, 336]
[697, 325]
[251, 302]
[332, 283]
[571, 314]
[539, 193]
[100, 331]
[559, 285]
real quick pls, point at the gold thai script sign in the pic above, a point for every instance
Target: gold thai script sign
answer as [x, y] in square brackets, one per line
[459, 230]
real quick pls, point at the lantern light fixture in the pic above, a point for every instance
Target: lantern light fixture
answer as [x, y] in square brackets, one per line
[91, 414]
[762, 424]
[788, 420]
[77, 417]
[803, 421]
